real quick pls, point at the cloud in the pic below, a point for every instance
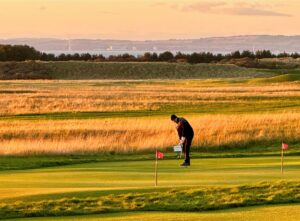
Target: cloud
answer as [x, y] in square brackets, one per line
[203, 6]
[256, 12]
[222, 7]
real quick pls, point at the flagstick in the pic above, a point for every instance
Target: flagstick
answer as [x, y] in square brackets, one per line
[156, 168]
[281, 160]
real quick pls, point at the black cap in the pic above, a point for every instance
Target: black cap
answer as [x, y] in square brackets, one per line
[173, 117]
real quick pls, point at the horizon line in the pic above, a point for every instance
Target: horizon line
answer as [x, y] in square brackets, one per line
[167, 39]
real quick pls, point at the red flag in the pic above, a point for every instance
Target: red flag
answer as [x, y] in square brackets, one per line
[285, 146]
[159, 155]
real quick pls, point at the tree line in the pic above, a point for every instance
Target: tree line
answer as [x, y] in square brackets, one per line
[24, 52]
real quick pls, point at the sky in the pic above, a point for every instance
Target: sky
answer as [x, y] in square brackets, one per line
[147, 19]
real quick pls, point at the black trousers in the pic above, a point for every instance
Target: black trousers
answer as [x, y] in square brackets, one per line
[186, 149]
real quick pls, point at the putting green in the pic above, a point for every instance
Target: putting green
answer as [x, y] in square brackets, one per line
[264, 213]
[103, 178]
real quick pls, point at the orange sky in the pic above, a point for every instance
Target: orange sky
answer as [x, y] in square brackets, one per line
[147, 19]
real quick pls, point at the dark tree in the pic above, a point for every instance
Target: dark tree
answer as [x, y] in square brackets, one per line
[166, 56]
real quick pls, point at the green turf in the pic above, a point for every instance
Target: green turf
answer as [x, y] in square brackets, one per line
[261, 213]
[256, 149]
[55, 190]
[139, 175]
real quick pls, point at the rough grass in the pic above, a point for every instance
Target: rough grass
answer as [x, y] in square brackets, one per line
[131, 135]
[23, 70]
[191, 199]
[89, 99]
[277, 79]
[274, 212]
[78, 70]
[280, 63]
[65, 117]
[127, 70]
[115, 70]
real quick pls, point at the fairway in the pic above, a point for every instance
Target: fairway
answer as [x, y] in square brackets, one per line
[92, 179]
[86, 189]
[84, 150]
[265, 213]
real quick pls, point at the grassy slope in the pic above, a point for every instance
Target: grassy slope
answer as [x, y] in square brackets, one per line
[188, 199]
[280, 212]
[137, 70]
[293, 76]
[128, 186]
[111, 70]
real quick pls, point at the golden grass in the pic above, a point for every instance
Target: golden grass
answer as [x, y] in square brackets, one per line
[69, 96]
[140, 134]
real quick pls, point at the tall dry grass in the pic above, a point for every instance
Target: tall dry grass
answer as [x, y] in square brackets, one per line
[142, 134]
[68, 96]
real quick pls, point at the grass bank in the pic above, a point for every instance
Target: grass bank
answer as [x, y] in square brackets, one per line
[191, 199]
[258, 213]
[78, 70]
[115, 70]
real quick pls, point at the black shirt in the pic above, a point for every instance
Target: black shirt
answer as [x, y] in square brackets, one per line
[184, 129]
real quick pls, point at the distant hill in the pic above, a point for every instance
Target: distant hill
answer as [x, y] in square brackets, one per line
[276, 44]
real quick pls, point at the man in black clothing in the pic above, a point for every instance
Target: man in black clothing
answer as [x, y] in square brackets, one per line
[186, 135]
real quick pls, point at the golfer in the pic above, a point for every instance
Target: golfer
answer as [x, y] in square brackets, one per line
[186, 135]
